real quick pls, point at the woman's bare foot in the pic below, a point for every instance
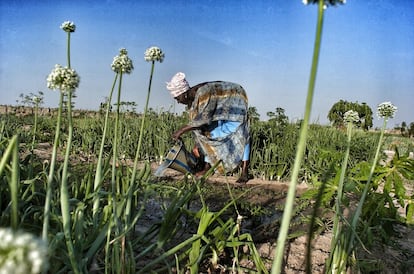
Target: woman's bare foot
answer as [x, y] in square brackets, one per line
[244, 178]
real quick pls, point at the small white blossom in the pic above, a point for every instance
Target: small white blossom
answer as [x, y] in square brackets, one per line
[386, 110]
[154, 54]
[326, 2]
[68, 26]
[63, 79]
[351, 116]
[21, 253]
[122, 63]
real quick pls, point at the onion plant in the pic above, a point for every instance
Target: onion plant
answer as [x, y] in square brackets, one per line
[152, 55]
[66, 80]
[279, 252]
[12, 152]
[120, 65]
[386, 111]
[99, 164]
[287, 214]
[337, 260]
[50, 176]
[22, 253]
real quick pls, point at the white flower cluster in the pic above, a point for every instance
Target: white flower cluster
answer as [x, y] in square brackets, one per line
[122, 63]
[21, 253]
[63, 79]
[68, 26]
[351, 116]
[386, 110]
[154, 54]
[326, 2]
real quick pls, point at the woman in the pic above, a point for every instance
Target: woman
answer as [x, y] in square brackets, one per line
[218, 119]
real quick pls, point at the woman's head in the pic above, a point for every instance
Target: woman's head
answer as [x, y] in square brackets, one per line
[178, 85]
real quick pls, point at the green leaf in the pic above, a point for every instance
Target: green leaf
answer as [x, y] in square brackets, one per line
[410, 212]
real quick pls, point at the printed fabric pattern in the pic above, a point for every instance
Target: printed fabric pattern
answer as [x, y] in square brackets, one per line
[220, 101]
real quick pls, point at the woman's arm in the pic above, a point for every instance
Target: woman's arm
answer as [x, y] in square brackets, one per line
[176, 135]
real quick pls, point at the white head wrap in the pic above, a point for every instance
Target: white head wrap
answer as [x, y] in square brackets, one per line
[178, 84]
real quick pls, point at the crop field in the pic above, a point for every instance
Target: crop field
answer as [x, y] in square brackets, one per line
[78, 192]
[175, 217]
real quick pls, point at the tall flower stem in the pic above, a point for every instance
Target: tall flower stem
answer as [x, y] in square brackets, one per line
[115, 153]
[14, 186]
[141, 133]
[68, 49]
[355, 217]
[64, 193]
[36, 109]
[98, 173]
[12, 151]
[51, 173]
[145, 111]
[287, 214]
[336, 262]
[116, 252]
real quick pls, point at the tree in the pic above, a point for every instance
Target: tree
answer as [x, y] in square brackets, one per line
[103, 105]
[337, 111]
[403, 128]
[279, 117]
[127, 106]
[31, 99]
[365, 114]
[411, 130]
[253, 115]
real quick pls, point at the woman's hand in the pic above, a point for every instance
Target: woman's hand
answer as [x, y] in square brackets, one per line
[176, 135]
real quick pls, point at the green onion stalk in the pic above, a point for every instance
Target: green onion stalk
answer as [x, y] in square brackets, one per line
[287, 214]
[68, 27]
[46, 214]
[338, 258]
[386, 110]
[115, 151]
[99, 173]
[14, 186]
[152, 54]
[36, 114]
[12, 151]
[36, 102]
[115, 220]
[121, 64]
[64, 193]
[66, 80]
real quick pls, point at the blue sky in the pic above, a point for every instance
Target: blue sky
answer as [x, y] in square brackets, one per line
[367, 52]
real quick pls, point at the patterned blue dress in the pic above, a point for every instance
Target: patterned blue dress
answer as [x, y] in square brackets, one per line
[219, 110]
